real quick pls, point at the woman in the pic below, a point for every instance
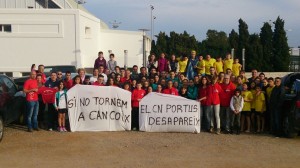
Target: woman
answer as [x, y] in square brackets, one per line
[204, 97]
[215, 102]
[111, 82]
[77, 80]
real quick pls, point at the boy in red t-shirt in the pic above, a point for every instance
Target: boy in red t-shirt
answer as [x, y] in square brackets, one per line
[137, 96]
[31, 89]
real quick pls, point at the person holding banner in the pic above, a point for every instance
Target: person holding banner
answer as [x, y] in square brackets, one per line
[204, 97]
[170, 89]
[137, 96]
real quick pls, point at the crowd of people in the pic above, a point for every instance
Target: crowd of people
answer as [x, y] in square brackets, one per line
[230, 103]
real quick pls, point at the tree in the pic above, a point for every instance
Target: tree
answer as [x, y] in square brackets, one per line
[255, 51]
[153, 48]
[216, 43]
[266, 35]
[161, 43]
[281, 59]
[243, 41]
[234, 41]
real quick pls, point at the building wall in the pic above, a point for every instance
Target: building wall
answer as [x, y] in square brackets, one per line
[62, 37]
[38, 36]
[118, 41]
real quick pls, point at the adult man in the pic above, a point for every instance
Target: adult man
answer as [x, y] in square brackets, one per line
[59, 76]
[228, 90]
[53, 84]
[100, 61]
[254, 76]
[41, 71]
[228, 62]
[31, 89]
[68, 82]
[101, 72]
[94, 78]
[276, 103]
[143, 73]
[134, 74]
[212, 73]
[209, 62]
[170, 89]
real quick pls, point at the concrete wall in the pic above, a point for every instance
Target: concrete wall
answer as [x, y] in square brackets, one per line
[38, 36]
[118, 41]
[271, 74]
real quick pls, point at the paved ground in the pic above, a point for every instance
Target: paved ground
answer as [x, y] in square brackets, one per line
[139, 149]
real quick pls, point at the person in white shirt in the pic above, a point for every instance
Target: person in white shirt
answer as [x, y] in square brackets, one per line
[101, 72]
[94, 78]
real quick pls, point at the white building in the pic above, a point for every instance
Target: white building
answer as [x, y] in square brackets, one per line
[60, 33]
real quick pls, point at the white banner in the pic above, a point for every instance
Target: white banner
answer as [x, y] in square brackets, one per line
[99, 108]
[169, 113]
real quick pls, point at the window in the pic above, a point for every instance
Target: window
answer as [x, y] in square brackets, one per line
[5, 28]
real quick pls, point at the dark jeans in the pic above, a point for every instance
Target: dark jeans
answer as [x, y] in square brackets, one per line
[32, 113]
[52, 116]
[276, 120]
[135, 118]
[207, 114]
[225, 116]
[41, 115]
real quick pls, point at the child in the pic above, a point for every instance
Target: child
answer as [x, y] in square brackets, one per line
[61, 106]
[236, 105]
[253, 91]
[183, 92]
[201, 66]
[246, 112]
[236, 67]
[259, 109]
[137, 96]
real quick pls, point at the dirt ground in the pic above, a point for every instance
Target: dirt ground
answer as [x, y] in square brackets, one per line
[139, 149]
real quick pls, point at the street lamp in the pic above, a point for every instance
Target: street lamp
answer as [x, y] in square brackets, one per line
[125, 59]
[243, 57]
[152, 36]
[144, 45]
[151, 10]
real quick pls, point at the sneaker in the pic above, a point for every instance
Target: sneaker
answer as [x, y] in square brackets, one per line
[64, 129]
[30, 130]
[218, 132]
[36, 129]
[50, 129]
[211, 130]
[60, 129]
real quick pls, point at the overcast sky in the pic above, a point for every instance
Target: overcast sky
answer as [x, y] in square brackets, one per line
[197, 16]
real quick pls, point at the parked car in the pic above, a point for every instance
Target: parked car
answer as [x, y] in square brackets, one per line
[12, 105]
[291, 107]
[62, 68]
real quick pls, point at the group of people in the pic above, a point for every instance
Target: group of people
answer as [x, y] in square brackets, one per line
[229, 101]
